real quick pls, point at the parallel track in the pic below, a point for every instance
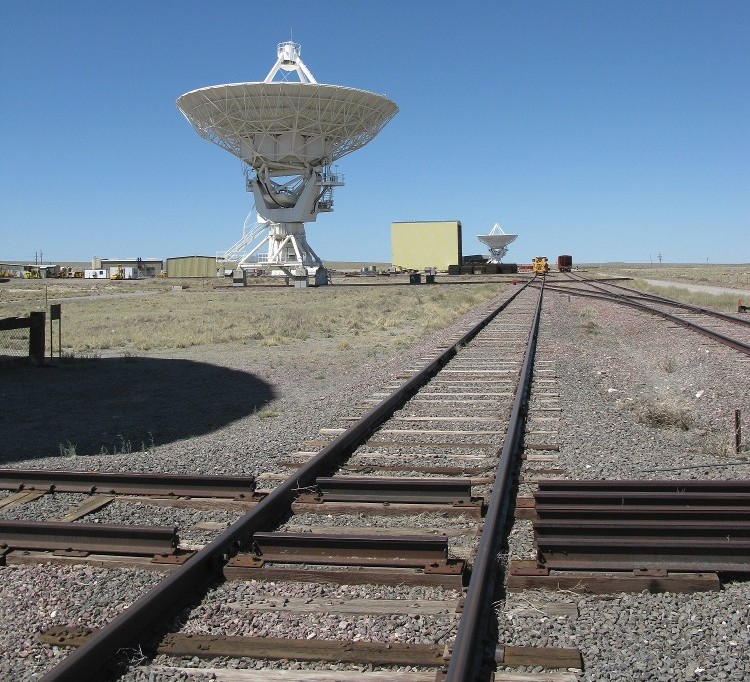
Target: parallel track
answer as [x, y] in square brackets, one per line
[713, 324]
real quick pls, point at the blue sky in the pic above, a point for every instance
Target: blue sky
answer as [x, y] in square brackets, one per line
[609, 130]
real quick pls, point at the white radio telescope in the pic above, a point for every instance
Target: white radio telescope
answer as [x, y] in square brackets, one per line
[287, 134]
[497, 242]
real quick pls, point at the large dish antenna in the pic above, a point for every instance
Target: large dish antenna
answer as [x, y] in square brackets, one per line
[287, 134]
[497, 242]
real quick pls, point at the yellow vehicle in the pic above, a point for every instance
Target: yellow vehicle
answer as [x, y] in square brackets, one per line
[539, 265]
[117, 274]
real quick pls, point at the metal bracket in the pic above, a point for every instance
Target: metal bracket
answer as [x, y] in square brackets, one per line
[310, 498]
[470, 502]
[447, 567]
[528, 568]
[254, 496]
[651, 572]
[70, 553]
[177, 559]
[65, 636]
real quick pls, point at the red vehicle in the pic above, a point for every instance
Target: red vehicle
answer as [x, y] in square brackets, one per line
[564, 263]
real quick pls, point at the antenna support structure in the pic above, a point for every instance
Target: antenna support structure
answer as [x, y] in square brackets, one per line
[287, 132]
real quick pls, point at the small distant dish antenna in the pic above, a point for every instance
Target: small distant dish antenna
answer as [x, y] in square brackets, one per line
[287, 133]
[497, 242]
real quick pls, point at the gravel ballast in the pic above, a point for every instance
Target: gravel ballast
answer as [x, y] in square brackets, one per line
[310, 386]
[639, 399]
[643, 400]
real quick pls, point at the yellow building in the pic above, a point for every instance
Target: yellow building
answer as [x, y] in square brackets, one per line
[432, 243]
[193, 266]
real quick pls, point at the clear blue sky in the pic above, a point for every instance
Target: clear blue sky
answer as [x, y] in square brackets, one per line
[610, 130]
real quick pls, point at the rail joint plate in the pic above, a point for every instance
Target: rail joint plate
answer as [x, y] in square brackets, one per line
[447, 567]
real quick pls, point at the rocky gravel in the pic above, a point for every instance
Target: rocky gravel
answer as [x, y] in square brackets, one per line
[640, 399]
[46, 508]
[38, 597]
[309, 386]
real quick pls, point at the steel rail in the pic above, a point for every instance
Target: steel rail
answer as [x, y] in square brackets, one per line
[616, 298]
[664, 485]
[612, 525]
[467, 656]
[351, 549]
[98, 538]
[405, 490]
[135, 623]
[170, 485]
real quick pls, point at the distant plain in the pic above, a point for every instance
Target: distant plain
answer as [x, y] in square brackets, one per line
[124, 317]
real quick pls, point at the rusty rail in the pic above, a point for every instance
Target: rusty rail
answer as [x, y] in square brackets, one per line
[351, 549]
[630, 525]
[467, 657]
[634, 293]
[162, 485]
[623, 300]
[403, 490]
[97, 538]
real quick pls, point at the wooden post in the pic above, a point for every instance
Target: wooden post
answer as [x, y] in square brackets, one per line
[737, 431]
[55, 313]
[36, 337]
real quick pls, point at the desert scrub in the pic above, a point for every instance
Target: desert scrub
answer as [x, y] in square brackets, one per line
[665, 414]
[716, 275]
[725, 302]
[361, 316]
[587, 324]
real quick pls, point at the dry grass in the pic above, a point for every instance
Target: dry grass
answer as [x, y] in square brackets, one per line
[351, 317]
[587, 324]
[663, 414]
[714, 275]
[725, 302]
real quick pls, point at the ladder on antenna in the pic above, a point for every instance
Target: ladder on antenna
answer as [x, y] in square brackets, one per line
[250, 232]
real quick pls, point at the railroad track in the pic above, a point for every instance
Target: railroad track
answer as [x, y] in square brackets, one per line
[73, 537]
[729, 330]
[584, 538]
[379, 549]
[419, 485]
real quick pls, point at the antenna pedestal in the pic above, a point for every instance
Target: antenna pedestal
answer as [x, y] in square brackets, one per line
[288, 247]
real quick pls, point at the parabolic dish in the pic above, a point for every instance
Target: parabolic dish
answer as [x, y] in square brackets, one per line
[496, 241]
[286, 125]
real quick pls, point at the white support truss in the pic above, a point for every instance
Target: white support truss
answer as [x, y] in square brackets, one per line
[253, 227]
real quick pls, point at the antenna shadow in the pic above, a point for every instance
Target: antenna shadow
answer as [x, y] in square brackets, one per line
[106, 405]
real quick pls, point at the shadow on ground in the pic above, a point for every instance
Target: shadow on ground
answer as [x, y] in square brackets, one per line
[106, 405]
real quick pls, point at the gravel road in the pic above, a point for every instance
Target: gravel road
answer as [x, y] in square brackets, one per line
[706, 288]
